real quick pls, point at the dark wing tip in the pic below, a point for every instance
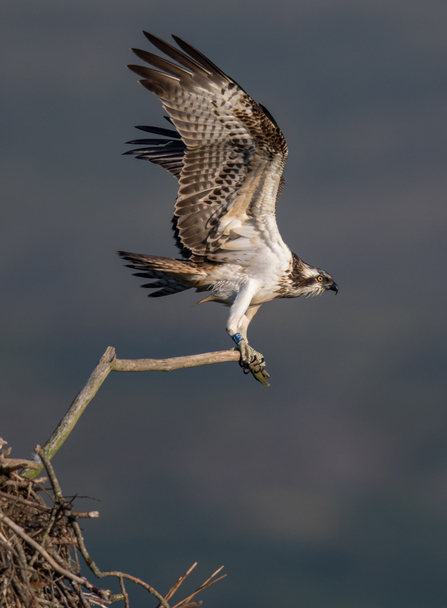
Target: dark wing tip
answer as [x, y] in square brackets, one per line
[152, 38]
[199, 57]
[160, 130]
[268, 114]
[135, 68]
[125, 254]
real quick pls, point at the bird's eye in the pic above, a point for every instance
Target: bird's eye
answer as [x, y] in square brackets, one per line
[319, 278]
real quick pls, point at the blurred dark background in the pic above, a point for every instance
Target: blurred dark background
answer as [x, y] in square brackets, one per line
[328, 489]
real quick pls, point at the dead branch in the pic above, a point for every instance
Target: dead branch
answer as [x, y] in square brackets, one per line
[168, 365]
[108, 363]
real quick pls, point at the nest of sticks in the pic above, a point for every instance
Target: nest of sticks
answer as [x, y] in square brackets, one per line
[42, 547]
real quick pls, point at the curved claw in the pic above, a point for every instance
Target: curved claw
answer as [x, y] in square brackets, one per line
[261, 377]
[253, 362]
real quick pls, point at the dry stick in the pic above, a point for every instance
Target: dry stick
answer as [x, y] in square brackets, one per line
[55, 555]
[72, 577]
[19, 591]
[204, 585]
[39, 507]
[23, 568]
[50, 525]
[34, 505]
[88, 515]
[4, 542]
[120, 575]
[22, 559]
[108, 363]
[78, 590]
[57, 492]
[123, 595]
[58, 503]
[176, 585]
[8, 465]
[66, 596]
[167, 365]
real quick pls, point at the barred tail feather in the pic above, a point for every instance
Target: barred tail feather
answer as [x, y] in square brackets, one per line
[172, 276]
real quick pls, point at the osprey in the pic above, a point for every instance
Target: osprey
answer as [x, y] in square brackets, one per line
[228, 155]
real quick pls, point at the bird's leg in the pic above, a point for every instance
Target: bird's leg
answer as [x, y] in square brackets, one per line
[257, 364]
[241, 313]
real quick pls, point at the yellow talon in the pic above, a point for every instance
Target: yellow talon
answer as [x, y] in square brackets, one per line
[260, 378]
[260, 375]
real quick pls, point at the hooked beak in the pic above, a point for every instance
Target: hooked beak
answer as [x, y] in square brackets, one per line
[334, 287]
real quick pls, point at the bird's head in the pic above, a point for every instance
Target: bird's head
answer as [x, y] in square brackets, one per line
[315, 281]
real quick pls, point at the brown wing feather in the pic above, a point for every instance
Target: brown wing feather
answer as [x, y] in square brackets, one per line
[234, 151]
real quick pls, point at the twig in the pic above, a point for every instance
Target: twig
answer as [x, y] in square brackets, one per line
[18, 589]
[176, 585]
[49, 527]
[125, 597]
[88, 515]
[120, 575]
[51, 474]
[7, 545]
[22, 559]
[9, 465]
[55, 555]
[206, 584]
[72, 577]
[78, 590]
[65, 595]
[38, 506]
[58, 503]
[51, 603]
[23, 501]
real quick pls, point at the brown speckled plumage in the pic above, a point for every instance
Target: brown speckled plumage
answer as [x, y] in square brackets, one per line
[226, 134]
[228, 155]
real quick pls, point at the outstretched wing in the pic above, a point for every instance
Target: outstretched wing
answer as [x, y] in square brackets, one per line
[235, 154]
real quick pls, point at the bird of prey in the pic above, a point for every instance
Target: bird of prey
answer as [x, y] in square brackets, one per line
[228, 155]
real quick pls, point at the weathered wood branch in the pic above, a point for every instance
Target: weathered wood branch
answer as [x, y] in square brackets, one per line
[107, 364]
[167, 365]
